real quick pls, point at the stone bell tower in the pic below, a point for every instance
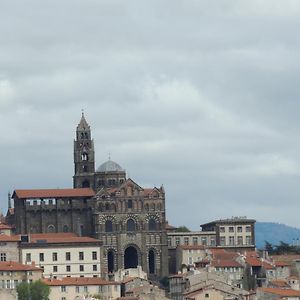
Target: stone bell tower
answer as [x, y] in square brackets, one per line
[84, 156]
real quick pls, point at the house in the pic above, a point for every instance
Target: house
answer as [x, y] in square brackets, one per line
[70, 288]
[12, 273]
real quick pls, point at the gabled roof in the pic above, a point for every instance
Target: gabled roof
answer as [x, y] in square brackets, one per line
[53, 193]
[78, 281]
[109, 191]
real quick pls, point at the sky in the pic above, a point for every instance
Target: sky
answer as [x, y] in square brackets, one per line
[200, 96]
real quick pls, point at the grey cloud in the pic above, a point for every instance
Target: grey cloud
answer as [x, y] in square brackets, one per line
[201, 96]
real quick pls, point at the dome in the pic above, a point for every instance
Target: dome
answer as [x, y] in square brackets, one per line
[110, 166]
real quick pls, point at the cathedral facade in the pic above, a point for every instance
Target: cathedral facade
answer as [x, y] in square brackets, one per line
[129, 220]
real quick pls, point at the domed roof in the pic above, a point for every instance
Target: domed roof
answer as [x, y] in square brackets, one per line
[110, 166]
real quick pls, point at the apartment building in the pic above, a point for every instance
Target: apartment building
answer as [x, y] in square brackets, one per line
[62, 254]
[237, 232]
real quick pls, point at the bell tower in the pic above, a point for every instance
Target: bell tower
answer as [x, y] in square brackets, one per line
[84, 156]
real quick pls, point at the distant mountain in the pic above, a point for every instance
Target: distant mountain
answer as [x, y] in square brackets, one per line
[274, 233]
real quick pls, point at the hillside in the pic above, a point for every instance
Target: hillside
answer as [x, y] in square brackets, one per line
[274, 233]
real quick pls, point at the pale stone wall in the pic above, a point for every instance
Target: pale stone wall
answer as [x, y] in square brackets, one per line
[88, 262]
[107, 292]
[10, 250]
[8, 294]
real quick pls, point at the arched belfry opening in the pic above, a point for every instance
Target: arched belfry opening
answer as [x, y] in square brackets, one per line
[131, 257]
[86, 184]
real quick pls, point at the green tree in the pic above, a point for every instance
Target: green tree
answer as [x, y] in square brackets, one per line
[23, 291]
[182, 229]
[33, 291]
[283, 248]
[269, 247]
[39, 290]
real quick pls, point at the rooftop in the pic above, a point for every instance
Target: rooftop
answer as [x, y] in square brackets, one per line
[53, 193]
[78, 281]
[281, 292]
[15, 266]
[233, 220]
[59, 238]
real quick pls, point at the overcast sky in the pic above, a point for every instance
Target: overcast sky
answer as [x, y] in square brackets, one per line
[201, 96]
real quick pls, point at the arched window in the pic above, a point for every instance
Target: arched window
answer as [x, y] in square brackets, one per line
[86, 184]
[106, 206]
[108, 226]
[129, 203]
[152, 224]
[66, 228]
[84, 168]
[51, 228]
[130, 225]
[152, 206]
[147, 207]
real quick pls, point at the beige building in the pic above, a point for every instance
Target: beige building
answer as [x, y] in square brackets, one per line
[71, 288]
[189, 255]
[192, 285]
[237, 232]
[9, 247]
[5, 229]
[62, 254]
[193, 238]
[13, 273]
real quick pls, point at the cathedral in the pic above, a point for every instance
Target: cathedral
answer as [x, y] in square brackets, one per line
[129, 220]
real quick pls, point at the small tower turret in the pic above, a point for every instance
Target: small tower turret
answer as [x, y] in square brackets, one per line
[84, 156]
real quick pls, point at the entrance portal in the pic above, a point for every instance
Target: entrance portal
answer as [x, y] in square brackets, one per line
[130, 258]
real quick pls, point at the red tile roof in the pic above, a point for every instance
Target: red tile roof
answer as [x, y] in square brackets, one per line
[281, 264]
[5, 226]
[15, 266]
[79, 281]
[54, 193]
[253, 262]
[169, 227]
[281, 292]
[225, 264]
[279, 283]
[60, 238]
[9, 238]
